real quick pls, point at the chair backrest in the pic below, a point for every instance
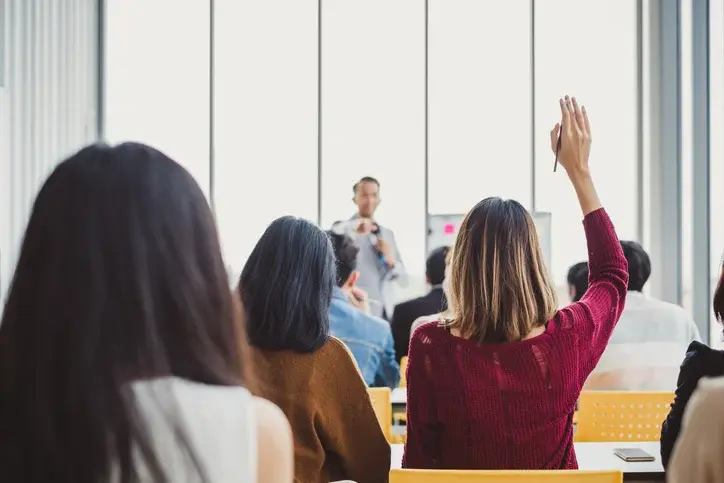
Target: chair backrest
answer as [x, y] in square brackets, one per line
[543, 476]
[381, 402]
[621, 416]
[403, 371]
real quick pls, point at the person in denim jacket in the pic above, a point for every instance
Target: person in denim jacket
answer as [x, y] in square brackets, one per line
[369, 338]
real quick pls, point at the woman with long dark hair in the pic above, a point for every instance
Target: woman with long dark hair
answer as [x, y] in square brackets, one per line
[286, 289]
[121, 344]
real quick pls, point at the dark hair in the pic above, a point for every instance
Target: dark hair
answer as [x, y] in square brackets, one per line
[286, 287]
[500, 287]
[435, 265]
[718, 303]
[639, 265]
[120, 277]
[578, 279]
[365, 179]
[345, 251]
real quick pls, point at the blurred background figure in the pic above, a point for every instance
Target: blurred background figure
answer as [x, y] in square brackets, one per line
[369, 338]
[378, 262]
[647, 345]
[433, 302]
[577, 281]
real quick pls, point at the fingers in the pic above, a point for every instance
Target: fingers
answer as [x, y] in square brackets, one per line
[586, 124]
[579, 115]
[565, 115]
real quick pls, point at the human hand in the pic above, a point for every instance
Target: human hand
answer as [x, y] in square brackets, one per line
[575, 138]
[364, 226]
[359, 299]
[384, 248]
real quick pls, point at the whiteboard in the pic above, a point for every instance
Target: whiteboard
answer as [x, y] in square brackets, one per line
[443, 229]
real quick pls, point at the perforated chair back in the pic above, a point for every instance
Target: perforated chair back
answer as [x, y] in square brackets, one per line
[382, 403]
[621, 416]
[403, 371]
[465, 476]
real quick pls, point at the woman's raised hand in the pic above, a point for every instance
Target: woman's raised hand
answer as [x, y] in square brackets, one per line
[575, 139]
[575, 142]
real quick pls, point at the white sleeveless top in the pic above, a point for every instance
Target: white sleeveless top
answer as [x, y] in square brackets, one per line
[217, 421]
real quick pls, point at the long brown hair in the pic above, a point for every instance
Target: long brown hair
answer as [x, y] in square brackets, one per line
[120, 278]
[500, 287]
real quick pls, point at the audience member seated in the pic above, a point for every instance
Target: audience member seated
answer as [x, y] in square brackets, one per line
[433, 302]
[577, 281]
[697, 456]
[645, 350]
[120, 353]
[445, 314]
[701, 361]
[369, 338]
[496, 387]
[286, 288]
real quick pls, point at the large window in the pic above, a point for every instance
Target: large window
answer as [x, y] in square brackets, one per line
[480, 89]
[157, 90]
[716, 146]
[265, 118]
[587, 48]
[373, 115]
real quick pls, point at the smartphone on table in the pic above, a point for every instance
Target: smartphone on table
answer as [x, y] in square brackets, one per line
[631, 455]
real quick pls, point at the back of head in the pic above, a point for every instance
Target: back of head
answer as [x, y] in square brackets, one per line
[435, 265]
[120, 277]
[639, 264]
[345, 251]
[286, 287]
[718, 301]
[500, 289]
[578, 279]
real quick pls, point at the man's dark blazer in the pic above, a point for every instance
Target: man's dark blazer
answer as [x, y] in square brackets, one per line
[407, 312]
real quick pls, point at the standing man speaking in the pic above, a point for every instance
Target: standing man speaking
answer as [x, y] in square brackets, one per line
[378, 260]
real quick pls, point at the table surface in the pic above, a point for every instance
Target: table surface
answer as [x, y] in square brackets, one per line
[592, 456]
[399, 395]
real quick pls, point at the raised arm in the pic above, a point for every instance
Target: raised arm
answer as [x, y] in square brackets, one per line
[596, 314]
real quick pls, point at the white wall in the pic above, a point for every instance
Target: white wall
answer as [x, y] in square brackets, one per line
[47, 103]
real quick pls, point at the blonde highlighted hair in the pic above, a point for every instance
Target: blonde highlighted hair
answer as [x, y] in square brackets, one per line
[500, 288]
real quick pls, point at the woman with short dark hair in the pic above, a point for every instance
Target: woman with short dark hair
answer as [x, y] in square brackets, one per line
[286, 289]
[120, 358]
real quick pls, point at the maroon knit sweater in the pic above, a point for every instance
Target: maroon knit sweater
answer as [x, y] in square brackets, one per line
[510, 406]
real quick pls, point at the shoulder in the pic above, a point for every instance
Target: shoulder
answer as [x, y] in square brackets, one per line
[706, 402]
[337, 352]
[701, 360]
[426, 333]
[272, 425]
[274, 442]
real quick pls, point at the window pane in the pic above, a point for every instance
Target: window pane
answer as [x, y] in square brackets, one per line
[157, 63]
[265, 118]
[373, 74]
[716, 146]
[601, 72]
[479, 103]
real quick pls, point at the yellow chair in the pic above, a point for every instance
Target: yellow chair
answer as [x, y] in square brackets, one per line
[382, 404]
[621, 416]
[403, 371]
[464, 476]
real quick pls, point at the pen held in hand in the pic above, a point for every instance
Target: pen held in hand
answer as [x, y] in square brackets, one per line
[558, 148]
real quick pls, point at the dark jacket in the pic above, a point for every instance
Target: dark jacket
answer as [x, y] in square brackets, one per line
[407, 312]
[700, 361]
